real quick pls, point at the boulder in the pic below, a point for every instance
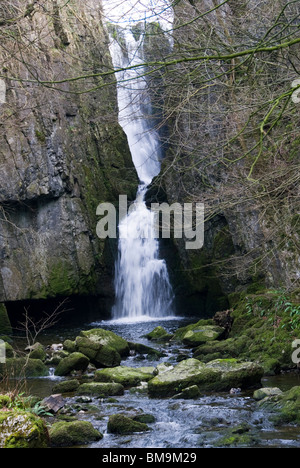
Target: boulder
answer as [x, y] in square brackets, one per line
[103, 350]
[237, 374]
[74, 362]
[189, 393]
[22, 429]
[199, 333]
[68, 386]
[69, 346]
[262, 393]
[285, 406]
[126, 376]
[158, 334]
[219, 375]
[37, 351]
[101, 390]
[76, 433]
[185, 374]
[120, 424]
[108, 338]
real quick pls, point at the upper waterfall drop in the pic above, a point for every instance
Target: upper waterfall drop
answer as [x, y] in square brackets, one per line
[142, 285]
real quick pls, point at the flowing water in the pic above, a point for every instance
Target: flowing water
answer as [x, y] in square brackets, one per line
[199, 423]
[142, 283]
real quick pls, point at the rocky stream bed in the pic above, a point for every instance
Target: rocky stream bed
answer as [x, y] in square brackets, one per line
[139, 385]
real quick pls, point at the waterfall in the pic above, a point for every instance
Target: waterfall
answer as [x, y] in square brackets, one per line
[142, 285]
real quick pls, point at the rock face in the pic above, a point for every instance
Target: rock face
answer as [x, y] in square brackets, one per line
[61, 154]
[250, 239]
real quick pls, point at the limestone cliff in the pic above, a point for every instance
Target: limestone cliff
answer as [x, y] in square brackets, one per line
[233, 147]
[62, 151]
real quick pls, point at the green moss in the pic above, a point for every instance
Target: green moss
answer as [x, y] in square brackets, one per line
[119, 424]
[269, 320]
[21, 429]
[127, 376]
[68, 434]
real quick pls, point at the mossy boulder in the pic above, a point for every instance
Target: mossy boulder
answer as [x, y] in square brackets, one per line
[185, 374]
[37, 351]
[285, 406]
[120, 424]
[269, 320]
[219, 375]
[237, 374]
[189, 393]
[101, 389]
[239, 436]
[266, 392]
[74, 362]
[108, 338]
[5, 325]
[69, 346]
[23, 367]
[158, 334]
[126, 376]
[196, 334]
[21, 429]
[102, 347]
[68, 386]
[76, 433]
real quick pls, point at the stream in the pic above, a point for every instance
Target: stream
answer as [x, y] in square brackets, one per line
[196, 423]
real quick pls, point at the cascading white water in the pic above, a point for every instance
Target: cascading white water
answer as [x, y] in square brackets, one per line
[142, 283]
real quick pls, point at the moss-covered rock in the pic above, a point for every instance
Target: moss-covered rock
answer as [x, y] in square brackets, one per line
[204, 330]
[5, 326]
[237, 374]
[239, 436]
[37, 351]
[266, 392]
[219, 375]
[200, 335]
[159, 334]
[21, 429]
[101, 390]
[74, 362]
[23, 367]
[104, 348]
[185, 374]
[69, 346]
[189, 393]
[126, 376]
[68, 386]
[285, 406]
[76, 433]
[120, 424]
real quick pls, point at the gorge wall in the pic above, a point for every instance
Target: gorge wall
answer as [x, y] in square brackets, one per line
[62, 152]
[250, 187]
